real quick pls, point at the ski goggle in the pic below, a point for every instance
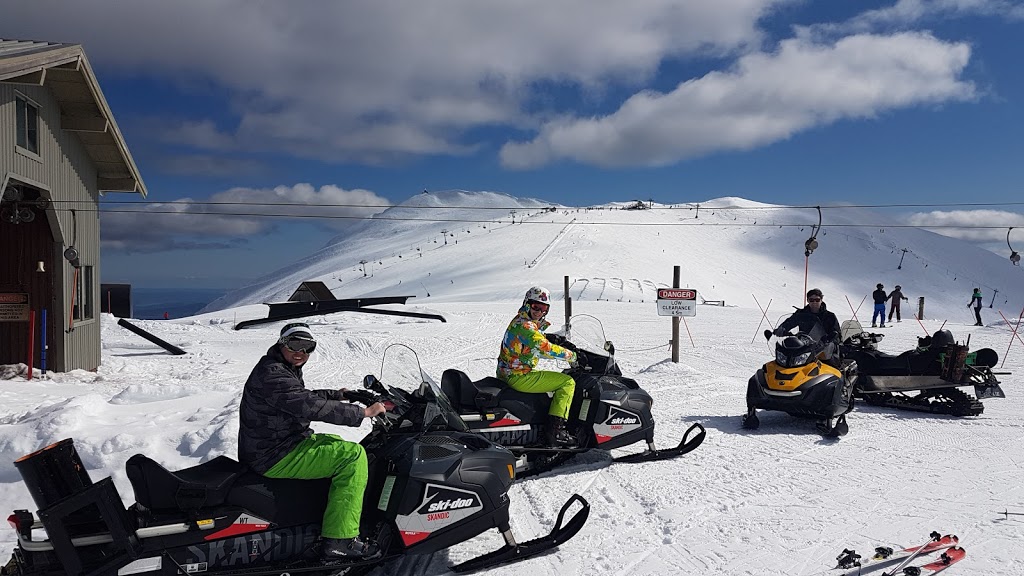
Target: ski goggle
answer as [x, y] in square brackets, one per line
[297, 345]
[538, 307]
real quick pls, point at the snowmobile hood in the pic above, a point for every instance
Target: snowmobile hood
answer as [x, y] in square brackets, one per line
[788, 379]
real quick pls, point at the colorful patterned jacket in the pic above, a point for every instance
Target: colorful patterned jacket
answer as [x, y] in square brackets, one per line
[524, 343]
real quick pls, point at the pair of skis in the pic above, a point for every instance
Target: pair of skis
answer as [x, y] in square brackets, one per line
[951, 554]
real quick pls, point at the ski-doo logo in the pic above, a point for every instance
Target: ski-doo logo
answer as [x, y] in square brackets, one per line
[442, 499]
[620, 418]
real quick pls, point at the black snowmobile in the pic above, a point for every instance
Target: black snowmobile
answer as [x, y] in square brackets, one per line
[925, 379]
[432, 484]
[808, 378]
[608, 409]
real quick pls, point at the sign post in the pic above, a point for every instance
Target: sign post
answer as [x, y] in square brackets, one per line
[676, 302]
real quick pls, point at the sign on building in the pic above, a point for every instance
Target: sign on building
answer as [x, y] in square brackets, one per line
[13, 307]
[677, 302]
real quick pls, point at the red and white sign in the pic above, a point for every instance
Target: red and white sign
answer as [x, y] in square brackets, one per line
[677, 302]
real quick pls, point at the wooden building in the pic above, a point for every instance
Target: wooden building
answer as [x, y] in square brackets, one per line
[60, 150]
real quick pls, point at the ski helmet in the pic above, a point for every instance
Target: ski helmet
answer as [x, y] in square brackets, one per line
[538, 294]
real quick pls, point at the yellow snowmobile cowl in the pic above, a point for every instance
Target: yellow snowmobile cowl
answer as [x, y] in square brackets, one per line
[788, 379]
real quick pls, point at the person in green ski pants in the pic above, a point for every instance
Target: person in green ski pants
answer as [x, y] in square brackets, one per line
[274, 438]
[523, 343]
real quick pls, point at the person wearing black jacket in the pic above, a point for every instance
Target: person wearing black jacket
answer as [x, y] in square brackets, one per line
[879, 297]
[815, 312]
[274, 437]
[895, 297]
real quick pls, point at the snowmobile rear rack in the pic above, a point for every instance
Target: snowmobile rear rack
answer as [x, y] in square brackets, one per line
[514, 552]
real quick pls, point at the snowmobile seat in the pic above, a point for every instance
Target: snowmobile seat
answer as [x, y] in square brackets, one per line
[188, 490]
[482, 394]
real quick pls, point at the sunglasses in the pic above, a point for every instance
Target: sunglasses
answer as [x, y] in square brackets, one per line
[539, 307]
[297, 345]
[814, 299]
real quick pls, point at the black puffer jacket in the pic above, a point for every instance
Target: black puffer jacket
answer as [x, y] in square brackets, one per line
[805, 319]
[277, 408]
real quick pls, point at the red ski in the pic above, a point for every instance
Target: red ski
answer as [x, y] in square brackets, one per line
[948, 558]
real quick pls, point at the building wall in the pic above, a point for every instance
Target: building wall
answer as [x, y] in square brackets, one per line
[66, 174]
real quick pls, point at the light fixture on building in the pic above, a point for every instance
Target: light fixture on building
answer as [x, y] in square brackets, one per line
[71, 255]
[40, 266]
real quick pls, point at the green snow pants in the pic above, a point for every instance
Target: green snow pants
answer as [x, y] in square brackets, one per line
[543, 381]
[328, 456]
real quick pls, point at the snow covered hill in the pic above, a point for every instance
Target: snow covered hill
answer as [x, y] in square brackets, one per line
[728, 249]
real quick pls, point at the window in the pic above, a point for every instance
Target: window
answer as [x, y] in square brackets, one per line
[83, 309]
[27, 124]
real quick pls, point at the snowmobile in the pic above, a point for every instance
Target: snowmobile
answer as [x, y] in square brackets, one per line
[432, 483]
[608, 410]
[808, 378]
[933, 370]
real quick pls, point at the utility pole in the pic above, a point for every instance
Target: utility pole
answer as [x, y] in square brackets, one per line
[444, 233]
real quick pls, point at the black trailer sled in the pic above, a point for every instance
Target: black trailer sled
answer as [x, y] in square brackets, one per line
[809, 378]
[925, 379]
[432, 484]
[608, 410]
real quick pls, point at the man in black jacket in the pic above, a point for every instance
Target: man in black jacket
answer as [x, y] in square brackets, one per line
[813, 314]
[274, 437]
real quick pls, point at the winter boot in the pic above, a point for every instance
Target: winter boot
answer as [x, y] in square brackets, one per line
[557, 436]
[348, 548]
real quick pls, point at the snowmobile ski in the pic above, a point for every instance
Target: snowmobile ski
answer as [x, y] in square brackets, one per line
[514, 552]
[948, 558]
[685, 446]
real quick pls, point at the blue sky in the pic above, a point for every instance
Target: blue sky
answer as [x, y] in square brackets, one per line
[577, 102]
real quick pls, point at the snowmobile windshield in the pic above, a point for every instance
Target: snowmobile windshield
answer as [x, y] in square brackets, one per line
[802, 341]
[401, 369]
[587, 332]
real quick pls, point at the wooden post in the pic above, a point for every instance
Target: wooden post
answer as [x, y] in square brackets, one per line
[920, 307]
[675, 319]
[568, 302]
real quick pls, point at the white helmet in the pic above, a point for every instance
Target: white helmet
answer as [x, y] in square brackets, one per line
[538, 294]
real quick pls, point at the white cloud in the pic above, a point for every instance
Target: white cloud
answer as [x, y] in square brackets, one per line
[177, 225]
[765, 98]
[906, 12]
[369, 80]
[992, 238]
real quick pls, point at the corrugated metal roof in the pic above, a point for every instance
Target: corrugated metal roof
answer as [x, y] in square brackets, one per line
[65, 70]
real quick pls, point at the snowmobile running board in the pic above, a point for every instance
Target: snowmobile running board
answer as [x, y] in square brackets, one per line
[685, 446]
[513, 552]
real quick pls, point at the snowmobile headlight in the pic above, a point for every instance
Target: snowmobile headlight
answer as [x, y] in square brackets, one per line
[801, 359]
[780, 358]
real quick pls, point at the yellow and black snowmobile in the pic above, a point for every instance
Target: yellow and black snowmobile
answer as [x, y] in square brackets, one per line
[807, 378]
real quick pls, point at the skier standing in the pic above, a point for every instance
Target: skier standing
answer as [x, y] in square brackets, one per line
[894, 306]
[880, 297]
[976, 302]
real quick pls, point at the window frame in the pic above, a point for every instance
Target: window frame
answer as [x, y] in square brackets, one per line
[26, 125]
[84, 310]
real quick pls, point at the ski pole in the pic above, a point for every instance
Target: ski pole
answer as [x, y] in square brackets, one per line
[1008, 514]
[935, 537]
[922, 325]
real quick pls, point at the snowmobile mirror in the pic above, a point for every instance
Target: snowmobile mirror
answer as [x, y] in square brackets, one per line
[609, 347]
[768, 334]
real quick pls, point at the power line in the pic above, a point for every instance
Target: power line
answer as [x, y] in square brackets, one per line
[671, 206]
[378, 217]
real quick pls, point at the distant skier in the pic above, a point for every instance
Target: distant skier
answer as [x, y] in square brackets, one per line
[880, 297]
[894, 302]
[976, 302]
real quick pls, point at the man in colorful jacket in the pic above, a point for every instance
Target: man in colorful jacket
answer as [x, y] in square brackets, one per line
[521, 347]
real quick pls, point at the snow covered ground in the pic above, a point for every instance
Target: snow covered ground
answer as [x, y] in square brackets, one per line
[777, 501]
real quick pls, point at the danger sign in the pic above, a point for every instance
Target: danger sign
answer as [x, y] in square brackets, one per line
[677, 302]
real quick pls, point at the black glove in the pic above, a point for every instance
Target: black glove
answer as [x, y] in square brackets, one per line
[360, 396]
[779, 331]
[555, 339]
